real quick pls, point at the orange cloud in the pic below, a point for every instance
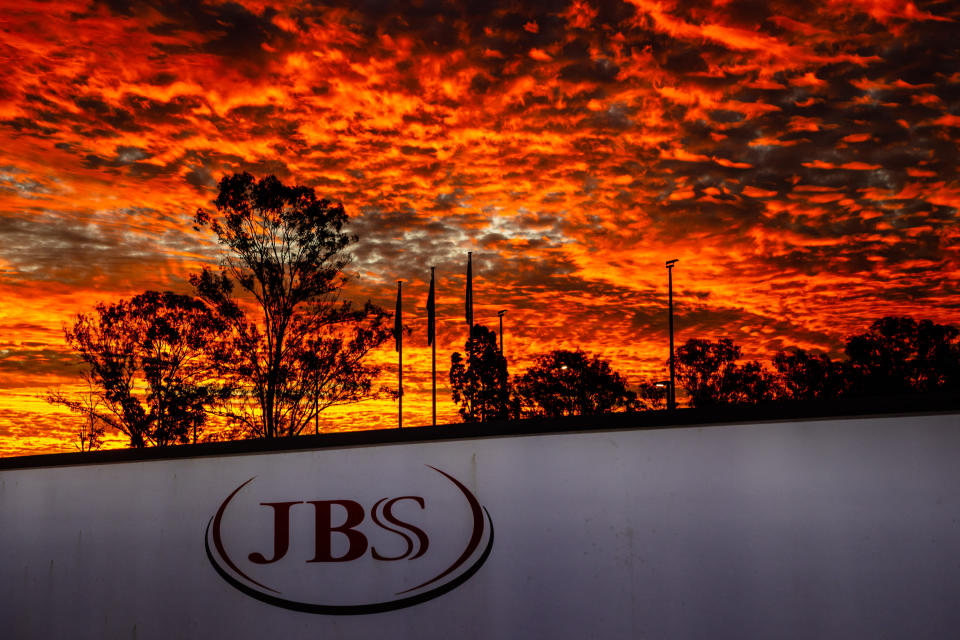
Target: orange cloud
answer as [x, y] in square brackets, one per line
[797, 159]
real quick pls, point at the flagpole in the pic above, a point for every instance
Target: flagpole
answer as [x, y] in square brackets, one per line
[469, 295]
[398, 332]
[433, 341]
[500, 314]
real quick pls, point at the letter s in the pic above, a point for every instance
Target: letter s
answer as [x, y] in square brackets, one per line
[424, 541]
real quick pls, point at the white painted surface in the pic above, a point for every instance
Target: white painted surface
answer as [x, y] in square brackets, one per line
[820, 529]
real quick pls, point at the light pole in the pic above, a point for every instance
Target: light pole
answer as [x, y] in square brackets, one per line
[500, 315]
[671, 396]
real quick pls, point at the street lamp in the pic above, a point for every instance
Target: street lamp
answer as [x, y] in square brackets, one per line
[671, 397]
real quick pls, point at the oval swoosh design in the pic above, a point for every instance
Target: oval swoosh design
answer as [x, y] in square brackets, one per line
[481, 520]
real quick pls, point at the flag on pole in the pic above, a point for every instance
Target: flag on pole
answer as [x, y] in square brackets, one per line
[432, 340]
[398, 322]
[398, 337]
[431, 313]
[469, 302]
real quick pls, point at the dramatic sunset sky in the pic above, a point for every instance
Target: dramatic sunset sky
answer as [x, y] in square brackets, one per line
[799, 158]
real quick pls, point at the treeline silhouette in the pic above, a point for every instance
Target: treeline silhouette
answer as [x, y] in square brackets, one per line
[265, 345]
[161, 367]
[896, 356]
[559, 383]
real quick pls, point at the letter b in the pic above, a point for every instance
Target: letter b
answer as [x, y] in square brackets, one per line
[357, 542]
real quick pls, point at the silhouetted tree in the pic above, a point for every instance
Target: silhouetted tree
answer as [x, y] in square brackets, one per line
[700, 366]
[90, 428]
[900, 355]
[479, 381]
[152, 367]
[747, 383]
[303, 349]
[652, 395]
[809, 376]
[572, 383]
[334, 360]
[710, 374]
[90, 432]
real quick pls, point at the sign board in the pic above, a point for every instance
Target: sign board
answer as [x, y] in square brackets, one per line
[845, 528]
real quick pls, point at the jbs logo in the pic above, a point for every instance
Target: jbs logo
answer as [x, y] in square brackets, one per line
[345, 555]
[357, 543]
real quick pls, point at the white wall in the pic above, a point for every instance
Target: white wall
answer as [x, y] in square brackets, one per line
[820, 529]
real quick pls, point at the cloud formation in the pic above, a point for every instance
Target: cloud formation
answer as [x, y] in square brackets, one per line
[799, 160]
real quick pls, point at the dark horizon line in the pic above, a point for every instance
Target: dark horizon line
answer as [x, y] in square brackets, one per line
[653, 419]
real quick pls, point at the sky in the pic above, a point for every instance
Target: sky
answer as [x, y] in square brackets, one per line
[798, 159]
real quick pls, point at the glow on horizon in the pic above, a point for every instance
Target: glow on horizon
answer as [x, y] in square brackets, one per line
[800, 161]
